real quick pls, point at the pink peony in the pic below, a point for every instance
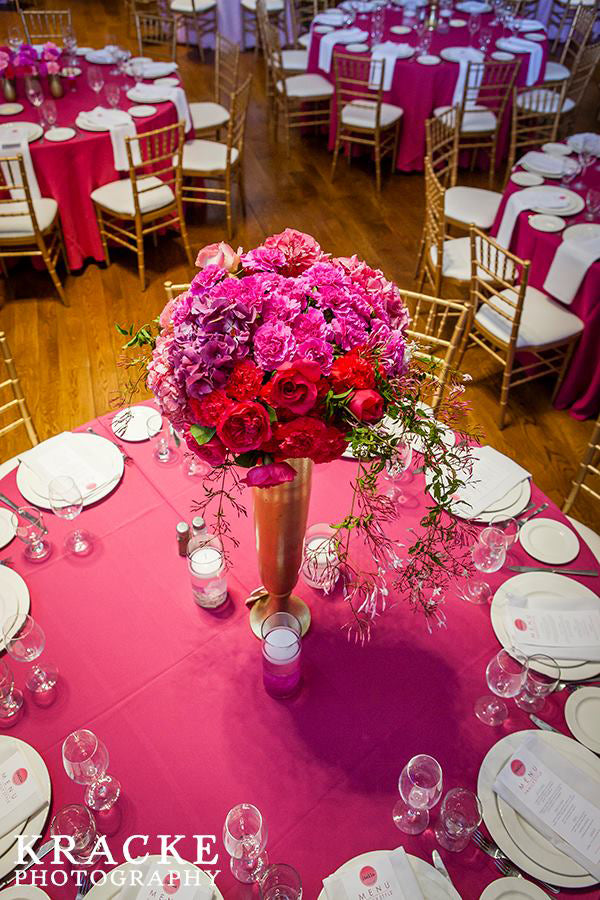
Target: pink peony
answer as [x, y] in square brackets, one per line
[212, 452]
[367, 406]
[270, 475]
[300, 250]
[221, 255]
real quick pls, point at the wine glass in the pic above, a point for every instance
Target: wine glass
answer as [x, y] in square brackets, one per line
[474, 25]
[160, 436]
[85, 759]
[35, 95]
[113, 92]
[67, 502]
[14, 38]
[396, 468]
[485, 39]
[420, 786]
[49, 112]
[31, 530]
[69, 39]
[11, 699]
[460, 815]
[502, 530]
[95, 79]
[570, 170]
[592, 203]
[137, 71]
[78, 823]
[538, 685]
[488, 557]
[505, 675]
[245, 839]
[425, 43]
[280, 882]
[25, 642]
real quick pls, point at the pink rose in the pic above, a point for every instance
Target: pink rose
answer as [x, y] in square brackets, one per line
[4, 60]
[212, 451]
[366, 405]
[53, 68]
[269, 475]
[244, 426]
[294, 386]
[221, 255]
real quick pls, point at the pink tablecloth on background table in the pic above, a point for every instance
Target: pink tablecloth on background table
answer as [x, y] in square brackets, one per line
[176, 692]
[416, 88]
[580, 392]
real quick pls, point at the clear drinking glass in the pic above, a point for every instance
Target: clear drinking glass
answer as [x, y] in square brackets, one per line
[113, 92]
[24, 643]
[85, 759]
[592, 203]
[460, 815]
[570, 171]
[280, 882]
[11, 699]
[502, 531]
[77, 822]
[474, 25]
[281, 648]
[245, 839]
[395, 470]
[538, 685]
[14, 38]
[420, 786]
[160, 436]
[35, 95]
[95, 79]
[319, 563]
[425, 42]
[49, 112]
[206, 565]
[31, 530]
[485, 39]
[69, 39]
[486, 558]
[505, 675]
[66, 502]
[137, 71]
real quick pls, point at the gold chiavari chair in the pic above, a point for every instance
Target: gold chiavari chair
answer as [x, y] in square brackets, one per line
[157, 34]
[208, 117]
[526, 9]
[362, 116]
[488, 87]
[577, 85]
[174, 290]
[300, 14]
[149, 7]
[212, 161]
[463, 205]
[580, 34]
[536, 116]
[508, 318]
[562, 14]
[28, 227]
[197, 16]
[17, 404]
[587, 480]
[149, 200]
[250, 29]
[293, 60]
[41, 25]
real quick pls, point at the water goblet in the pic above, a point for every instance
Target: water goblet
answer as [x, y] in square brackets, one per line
[538, 685]
[49, 112]
[505, 675]
[137, 71]
[245, 839]
[67, 502]
[396, 468]
[511, 24]
[77, 822]
[25, 642]
[486, 558]
[95, 79]
[474, 25]
[592, 203]
[69, 40]
[460, 815]
[502, 530]
[11, 699]
[14, 38]
[113, 92]
[160, 436]
[280, 882]
[420, 786]
[485, 39]
[35, 95]
[570, 171]
[425, 43]
[85, 760]
[31, 530]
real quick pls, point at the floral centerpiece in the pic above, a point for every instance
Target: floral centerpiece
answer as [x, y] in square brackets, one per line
[284, 353]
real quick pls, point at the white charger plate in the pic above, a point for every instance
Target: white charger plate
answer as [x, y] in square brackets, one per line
[555, 149]
[84, 125]
[98, 58]
[142, 111]
[14, 600]
[9, 856]
[455, 54]
[8, 526]
[582, 712]
[132, 424]
[549, 541]
[513, 503]
[535, 37]
[19, 130]
[157, 97]
[169, 81]
[428, 60]
[513, 888]
[522, 839]
[11, 109]
[526, 179]
[582, 231]
[58, 135]
[541, 222]
[544, 590]
[24, 892]
[107, 890]
[400, 29]
[576, 203]
[83, 51]
[433, 885]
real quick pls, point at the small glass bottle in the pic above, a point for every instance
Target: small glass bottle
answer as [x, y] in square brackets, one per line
[198, 526]
[183, 537]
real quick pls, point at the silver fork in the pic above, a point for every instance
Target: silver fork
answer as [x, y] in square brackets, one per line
[503, 863]
[127, 459]
[83, 887]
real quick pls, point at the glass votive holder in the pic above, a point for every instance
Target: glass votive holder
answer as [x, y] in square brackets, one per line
[460, 815]
[206, 565]
[77, 822]
[280, 882]
[320, 560]
[282, 643]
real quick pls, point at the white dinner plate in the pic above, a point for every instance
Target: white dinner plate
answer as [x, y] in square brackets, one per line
[14, 600]
[576, 203]
[18, 130]
[582, 231]
[132, 424]
[546, 223]
[567, 165]
[549, 541]
[147, 97]
[83, 51]
[161, 70]
[513, 888]
[60, 134]
[8, 526]
[400, 29]
[555, 149]
[457, 23]
[11, 109]
[474, 6]
[536, 37]
[169, 81]
[106, 890]
[582, 712]
[433, 885]
[526, 25]
[519, 840]
[85, 125]
[502, 56]
[96, 449]
[323, 29]
[357, 48]
[142, 111]
[139, 59]
[455, 54]
[404, 51]
[428, 60]
[99, 58]
[513, 503]
[544, 590]
[526, 179]
[9, 856]
[24, 892]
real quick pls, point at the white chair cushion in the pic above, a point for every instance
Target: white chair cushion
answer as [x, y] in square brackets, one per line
[474, 120]
[294, 60]
[590, 537]
[362, 113]
[206, 156]
[272, 5]
[17, 226]
[543, 100]
[306, 86]
[472, 205]
[189, 6]
[543, 321]
[118, 195]
[208, 115]
[555, 72]
[304, 39]
[457, 258]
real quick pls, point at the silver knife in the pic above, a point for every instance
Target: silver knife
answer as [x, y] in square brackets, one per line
[26, 515]
[44, 849]
[543, 725]
[522, 519]
[558, 571]
[439, 865]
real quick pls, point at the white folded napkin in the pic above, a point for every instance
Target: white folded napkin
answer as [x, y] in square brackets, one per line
[473, 6]
[330, 17]
[19, 146]
[521, 45]
[104, 56]
[526, 199]
[530, 25]
[21, 794]
[391, 877]
[389, 52]
[175, 95]
[468, 54]
[592, 142]
[569, 267]
[492, 476]
[120, 125]
[563, 629]
[556, 797]
[157, 69]
[61, 455]
[543, 162]
[328, 42]
[153, 887]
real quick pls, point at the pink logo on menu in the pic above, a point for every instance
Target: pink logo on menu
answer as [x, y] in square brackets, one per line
[172, 883]
[520, 625]
[20, 776]
[518, 767]
[368, 876]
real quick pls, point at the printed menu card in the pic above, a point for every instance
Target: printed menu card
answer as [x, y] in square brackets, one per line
[164, 884]
[20, 793]
[568, 633]
[557, 797]
[388, 877]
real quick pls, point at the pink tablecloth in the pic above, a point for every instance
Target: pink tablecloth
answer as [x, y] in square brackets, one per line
[416, 88]
[176, 692]
[580, 392]
[71, 170]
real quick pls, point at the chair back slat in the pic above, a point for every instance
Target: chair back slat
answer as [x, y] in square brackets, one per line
[580, 34]
[12, 384]
[227, 66]
[589, 471]
[441, 141]
[582, 75]
[42, 25]
[237, 122]
[434, 227]
[158, 33]
[488, 85]
[160, 155]
[300, 15]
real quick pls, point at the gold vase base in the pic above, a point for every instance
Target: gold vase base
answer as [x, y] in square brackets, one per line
[266, 607]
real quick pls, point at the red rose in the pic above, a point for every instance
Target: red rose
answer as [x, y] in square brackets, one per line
[208, 409]
[294, 386]
[245, 381]
[212, 451]
[309, 437]
[244, 426]
[269, 475]
[352, 371]
[367, 406]
[330, 445]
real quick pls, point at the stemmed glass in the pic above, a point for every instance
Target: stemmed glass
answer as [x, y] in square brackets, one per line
[508, 528]
[113, 92]
[25, 643]
[280, 882]
[159, 434]
[420, 786]
[77, 822]
[49, 112]
[14, 38]
[85, 759]
[245, 839]
[69, 39]
[35, 95]
[485, 39]
[586, 158]
[460, 815]
[570, 170]
[95, 79]
[67, 502]
[425, 42]
[396, 468]
[11, 699]
[137, 71]
[31, 530]
[538, 685]
[592, 203]
[505, 675]
[488, 556]
[474, 25]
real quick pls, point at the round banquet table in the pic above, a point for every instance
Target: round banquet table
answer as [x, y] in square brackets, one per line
[176, 691]
[416, 88]
[69, 171]
[580, 391]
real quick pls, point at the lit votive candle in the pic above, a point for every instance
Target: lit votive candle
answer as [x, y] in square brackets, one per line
[319, 566]
[207, 573]
[281, 661]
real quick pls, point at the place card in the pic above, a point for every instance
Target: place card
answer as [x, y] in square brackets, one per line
[387, 877]
[168, 885]
[575, 631]
[20, 795]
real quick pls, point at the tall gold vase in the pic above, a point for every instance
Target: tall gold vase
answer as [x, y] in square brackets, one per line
[280, 515]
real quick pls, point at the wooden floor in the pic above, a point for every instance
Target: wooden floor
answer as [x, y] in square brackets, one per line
[68, 357]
